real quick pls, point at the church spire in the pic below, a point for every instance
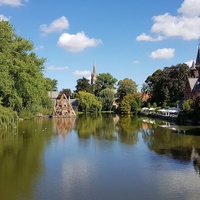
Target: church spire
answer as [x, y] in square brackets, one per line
[198, 58]
[94, 74]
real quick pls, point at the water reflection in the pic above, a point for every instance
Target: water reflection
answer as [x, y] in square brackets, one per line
[33, 159]
[62, 126]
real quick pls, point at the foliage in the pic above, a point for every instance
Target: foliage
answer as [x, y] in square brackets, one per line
[22, 83]
[83, 85]
[88, 102]
[131, 103]
[106, 97]
[167, 86]
[126, 86]
[103, 81]
[51, 84]
[8, 118]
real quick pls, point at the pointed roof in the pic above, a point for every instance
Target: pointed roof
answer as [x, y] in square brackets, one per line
[192, 82]
[193, 66]
[94, 69]
[198, 58]
[63, 108]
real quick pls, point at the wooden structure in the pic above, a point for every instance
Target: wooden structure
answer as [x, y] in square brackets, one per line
[63, 108]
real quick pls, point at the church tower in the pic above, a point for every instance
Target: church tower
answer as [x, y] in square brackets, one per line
[198, 60]
[93, 75]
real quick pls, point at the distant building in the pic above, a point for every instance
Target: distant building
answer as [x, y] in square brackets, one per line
[192, 87]
[54, 96]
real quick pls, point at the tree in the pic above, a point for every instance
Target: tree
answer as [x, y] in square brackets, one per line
[22, 82]
[88, 102]
[103, 81]
[131, 103]
[126, 86]
[51, 84]
[83, 85]
[167, 85]
[106, 97]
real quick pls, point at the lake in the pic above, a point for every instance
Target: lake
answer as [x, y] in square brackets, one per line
[106, 157]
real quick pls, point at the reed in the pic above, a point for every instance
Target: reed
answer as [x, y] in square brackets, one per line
[8, 118]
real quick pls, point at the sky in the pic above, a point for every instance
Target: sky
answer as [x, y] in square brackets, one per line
[126, 38]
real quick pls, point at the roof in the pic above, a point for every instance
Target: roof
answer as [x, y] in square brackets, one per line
[198, 58]
[192, 82]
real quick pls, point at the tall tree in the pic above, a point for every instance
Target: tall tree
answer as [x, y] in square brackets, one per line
[88, 102]
[22, 82]
[167, 85]
[103, 81]
[83, 85]
[126, 86]
[106, 96]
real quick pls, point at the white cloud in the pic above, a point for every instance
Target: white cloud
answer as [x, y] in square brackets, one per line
[4, 18]
[186, 26]
[190, 8]
[145, 37]
[82, 73]
[77, 42]
[57, 25]
[53, 68]
[164, 53]
[13, 3]
[171, 26]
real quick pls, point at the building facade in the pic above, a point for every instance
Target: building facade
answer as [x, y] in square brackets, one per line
[192, 87]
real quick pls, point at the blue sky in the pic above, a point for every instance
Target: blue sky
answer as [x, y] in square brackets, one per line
[126, 38]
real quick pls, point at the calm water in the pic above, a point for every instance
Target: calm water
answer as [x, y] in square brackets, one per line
[98, 158]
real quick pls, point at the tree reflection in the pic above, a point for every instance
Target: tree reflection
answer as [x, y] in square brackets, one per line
[167, 142]
[98, 126]
[20, 158]
[109, 127]
[128, 128]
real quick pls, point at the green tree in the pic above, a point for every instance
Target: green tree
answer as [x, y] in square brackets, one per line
[22, 82]
[103, 81]
[88, 102]
[83, 85]
[131, 103]
[167, 85]
[51, 84]
[106, 97]
[126, 86]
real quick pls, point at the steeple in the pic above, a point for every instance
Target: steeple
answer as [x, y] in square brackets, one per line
[198, 58]
[94, 74]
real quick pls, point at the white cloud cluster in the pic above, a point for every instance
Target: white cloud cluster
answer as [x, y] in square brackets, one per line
[163, 53]
[13, 3]
[4, 18]
[185, 26]
[145, 37]
[76, 42]
[82, 73]
[53, 68]
[190, 8]
[57, 25]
